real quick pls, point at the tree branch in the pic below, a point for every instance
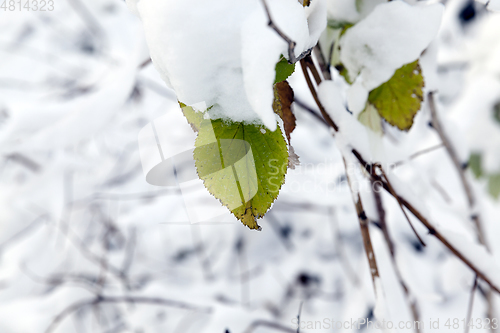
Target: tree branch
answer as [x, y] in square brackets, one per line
[368, 167]
[122, 299]
[291, 44]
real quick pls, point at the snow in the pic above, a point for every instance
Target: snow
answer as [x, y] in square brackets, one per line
[226, 61]
[73, 102]
[483, 50]
[357, 96]
[392, 35]
[352, 134]
[494, 5]
[342, 11]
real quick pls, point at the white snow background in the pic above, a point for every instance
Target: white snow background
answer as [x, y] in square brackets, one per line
[87, 245]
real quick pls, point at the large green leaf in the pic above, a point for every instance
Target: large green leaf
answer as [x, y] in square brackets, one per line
[242, 165]
[398, 100]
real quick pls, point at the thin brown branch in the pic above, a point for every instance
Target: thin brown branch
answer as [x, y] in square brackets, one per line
[368, 167]
[428, 225]
[323, 64]
[305, 65]
[393, 193]
[310, 110]
[365, 231]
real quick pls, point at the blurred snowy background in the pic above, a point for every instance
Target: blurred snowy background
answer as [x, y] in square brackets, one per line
[87, 245]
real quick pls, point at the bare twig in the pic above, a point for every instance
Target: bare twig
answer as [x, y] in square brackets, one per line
[122, 299]
[323, 64]
[298, 316]
[417, 154]
[365, 231]
[25, 161]
[368, 167]
[471, 198]
[307, 63]
[428, 225]
[393, 193]
[459, 166]
[90, 20]
[310, 110]
[471, 304]
[145, 63]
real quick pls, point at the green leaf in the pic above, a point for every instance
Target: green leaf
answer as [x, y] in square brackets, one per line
[494, 185]
[398, 100]
[496, 112]
[335, 60]
[475, 165]
[371, 119]
[242, 165]
[193, 116]
[283, 70]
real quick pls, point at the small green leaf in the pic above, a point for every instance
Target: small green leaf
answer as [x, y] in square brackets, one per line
[496, 112]
[283, 70]
[398, 100]
[475, 165]
[242, 165]
[335, 60]
[494, 185]
[371, 119]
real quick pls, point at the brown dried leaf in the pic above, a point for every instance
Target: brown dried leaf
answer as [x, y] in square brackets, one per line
[283, 99]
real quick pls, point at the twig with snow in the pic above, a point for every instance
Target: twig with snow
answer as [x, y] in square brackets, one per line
[308, 64]
[393, 193]
[469, 192]
[365, 231]
[291, 44]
